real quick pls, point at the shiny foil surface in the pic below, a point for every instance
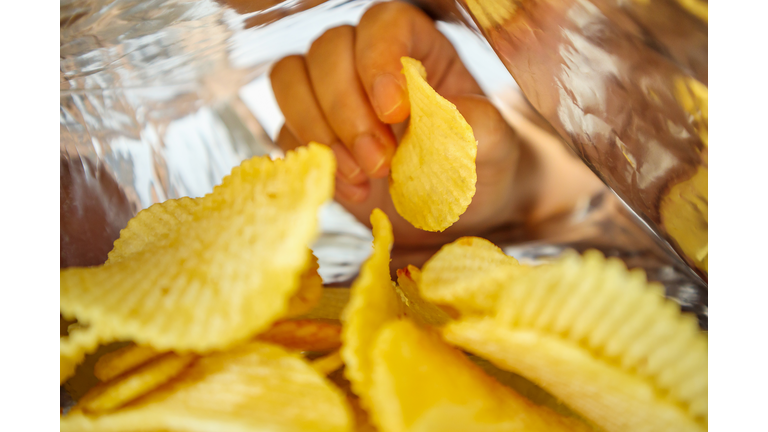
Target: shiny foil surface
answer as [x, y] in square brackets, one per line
[161, 98]
[624, 82]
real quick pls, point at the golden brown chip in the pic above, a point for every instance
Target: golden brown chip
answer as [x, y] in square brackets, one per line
[256, 386]
[372, 303]
[468, 275]
[199, 276]
[305, 335]
[416, 308]
[433, 172]
[118, 392]
[118, 362]
[328, 363]
[422, 384]
[601, 339]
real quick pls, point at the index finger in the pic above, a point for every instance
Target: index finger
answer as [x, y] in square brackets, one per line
[405, 30]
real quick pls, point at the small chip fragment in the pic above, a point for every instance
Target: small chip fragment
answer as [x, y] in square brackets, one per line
[468, 275]
[372, 303]
[118, 392]
[601, 339]
[420, 383]
[310, 289]
[205, 274]
[433, 171]
[118, 362]
[416, 308]
[255, 386]
[304, 335]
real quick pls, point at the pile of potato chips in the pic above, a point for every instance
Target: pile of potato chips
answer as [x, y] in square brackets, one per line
[224, 325]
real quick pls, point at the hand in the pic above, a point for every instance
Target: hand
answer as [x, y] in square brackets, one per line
[347, 92]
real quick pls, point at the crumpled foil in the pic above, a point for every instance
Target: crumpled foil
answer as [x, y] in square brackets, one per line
[161, 98]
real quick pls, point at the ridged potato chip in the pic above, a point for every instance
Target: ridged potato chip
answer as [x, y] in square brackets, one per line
[601, 339]
[433, 173]
[416, 308]
[205, 274]
[122, 360]
[332, 302]
[256, 386]
[372, 303]
[126, 388]
[304, 335]
[73, 349]
[310, 289]
[468, 275]
[422, 384]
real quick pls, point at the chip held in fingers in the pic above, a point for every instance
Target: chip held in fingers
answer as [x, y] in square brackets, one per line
[433, 172]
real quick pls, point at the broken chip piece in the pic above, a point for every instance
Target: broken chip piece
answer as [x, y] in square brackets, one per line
[601, 339]
[206, 274]
[433, 171]
[256, 386]
[122, 360]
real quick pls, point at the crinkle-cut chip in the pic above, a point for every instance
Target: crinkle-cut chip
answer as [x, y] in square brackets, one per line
[433, 171]
[256, 386]
[328, 363]
[304, 335]
[73, 349]
[601, 339]
[420, 383]
[416, 308]
[310, 289]
[372, 303]
[223, 272]
[117, 362]
[468, 275]
[118, 392]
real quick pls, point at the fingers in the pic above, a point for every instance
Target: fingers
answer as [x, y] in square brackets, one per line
[340, 94]
[304, 120]
[349, 191]
[408, 32]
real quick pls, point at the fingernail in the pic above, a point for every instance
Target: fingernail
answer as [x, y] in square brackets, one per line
[350, 192]
[371, 154]
[346, 165]
[387, 94]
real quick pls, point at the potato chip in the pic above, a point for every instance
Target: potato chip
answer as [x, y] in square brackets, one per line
[416, 308]
[372, 303]
[601, 339]
[205, 274]
[468, 275]
[332, 302]
[310, 289]
[433, 171]
[328, 363]
[256, 386]
[118, 362]
[118, 392]
[304, 335]
[73, 349]
[420, 383]
[684, 213]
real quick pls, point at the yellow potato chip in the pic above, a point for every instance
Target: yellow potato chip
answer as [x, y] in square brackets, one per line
[118, 392]
[420, 383]
[310, 290]
[416, 308]
[328, 363]
[433, 171]
[118, 362]
[332, 302]
[684, 213]
[256, 386]
[304, 335]
[601, 339]
[73, 349]
[205, 274]
[468, 275]
[372, 302]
